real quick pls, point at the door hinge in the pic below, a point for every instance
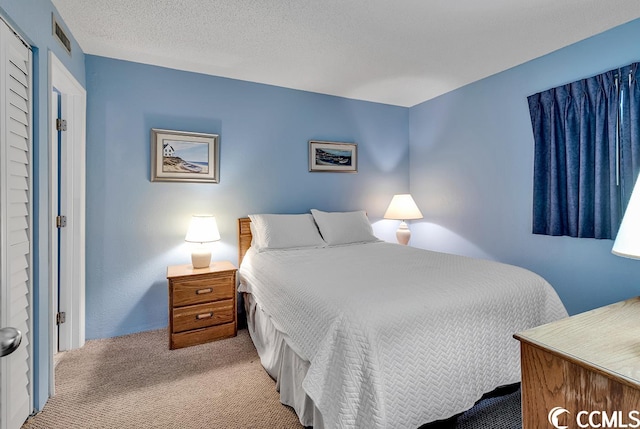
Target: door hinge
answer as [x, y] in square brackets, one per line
[61, 318]
[61, 221]
[61, 124]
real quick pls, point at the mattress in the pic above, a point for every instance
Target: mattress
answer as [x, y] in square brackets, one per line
[396, 336]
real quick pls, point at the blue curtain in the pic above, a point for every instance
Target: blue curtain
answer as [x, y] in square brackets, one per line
[575, 175]
[629, 132]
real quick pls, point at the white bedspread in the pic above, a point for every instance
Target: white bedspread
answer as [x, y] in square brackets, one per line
[397, 336]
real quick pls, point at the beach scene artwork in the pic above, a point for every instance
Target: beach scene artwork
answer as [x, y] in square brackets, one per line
[182, 156]
[185, 157]
[333, 157]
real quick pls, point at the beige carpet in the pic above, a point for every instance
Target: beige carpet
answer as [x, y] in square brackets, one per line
[135, 381]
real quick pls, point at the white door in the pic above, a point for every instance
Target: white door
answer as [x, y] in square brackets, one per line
[15, 225]
[59, 342]
[67, 192]
[67, 198]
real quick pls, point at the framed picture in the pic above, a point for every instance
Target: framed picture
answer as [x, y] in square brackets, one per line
[178, 156]
[333, 156]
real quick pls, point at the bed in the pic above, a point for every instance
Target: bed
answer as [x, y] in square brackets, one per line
[360, 333]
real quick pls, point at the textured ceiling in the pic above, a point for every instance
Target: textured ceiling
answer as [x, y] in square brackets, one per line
[398, 52]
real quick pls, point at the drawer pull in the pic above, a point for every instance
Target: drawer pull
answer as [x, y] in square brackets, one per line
[205, 315]
[203, 291]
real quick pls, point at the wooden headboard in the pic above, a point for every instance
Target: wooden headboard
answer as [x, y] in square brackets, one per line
[244, 237]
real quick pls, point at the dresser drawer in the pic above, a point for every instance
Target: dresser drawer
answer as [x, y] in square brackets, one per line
[203, 315]
[196, 291]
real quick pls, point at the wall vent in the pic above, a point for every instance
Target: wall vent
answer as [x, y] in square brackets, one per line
[60, 35]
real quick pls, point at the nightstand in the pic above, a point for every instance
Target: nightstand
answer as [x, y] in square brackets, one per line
[202, 303]
[583, 367]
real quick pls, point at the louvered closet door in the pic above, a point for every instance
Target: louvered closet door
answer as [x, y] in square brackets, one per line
[15, 225]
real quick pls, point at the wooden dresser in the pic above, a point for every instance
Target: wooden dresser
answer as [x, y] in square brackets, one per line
[583, 371]
[202, 303]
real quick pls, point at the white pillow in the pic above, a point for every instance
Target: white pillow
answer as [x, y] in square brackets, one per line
[344, 227]
[284, 231]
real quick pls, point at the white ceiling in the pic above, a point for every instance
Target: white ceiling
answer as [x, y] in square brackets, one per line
[399, 52]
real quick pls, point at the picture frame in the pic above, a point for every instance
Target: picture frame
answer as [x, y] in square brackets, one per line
[181, 156]
[335, 157]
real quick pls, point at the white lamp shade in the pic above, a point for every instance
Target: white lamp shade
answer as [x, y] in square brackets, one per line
[202, 229]
[627, 242]
[402, 207]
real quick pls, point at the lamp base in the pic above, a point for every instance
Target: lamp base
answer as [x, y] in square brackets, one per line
[403, 234]
[201, 258]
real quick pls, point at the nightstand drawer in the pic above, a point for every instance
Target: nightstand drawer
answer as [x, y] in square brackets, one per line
[199, 336]
[188, 292]
[203, 315]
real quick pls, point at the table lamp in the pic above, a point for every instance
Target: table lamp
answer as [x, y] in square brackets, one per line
[203, 229]
[627, 242]
[402, 207]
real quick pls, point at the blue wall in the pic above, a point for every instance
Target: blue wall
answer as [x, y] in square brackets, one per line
[471, 162]
[32, 19]
[136, 228]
